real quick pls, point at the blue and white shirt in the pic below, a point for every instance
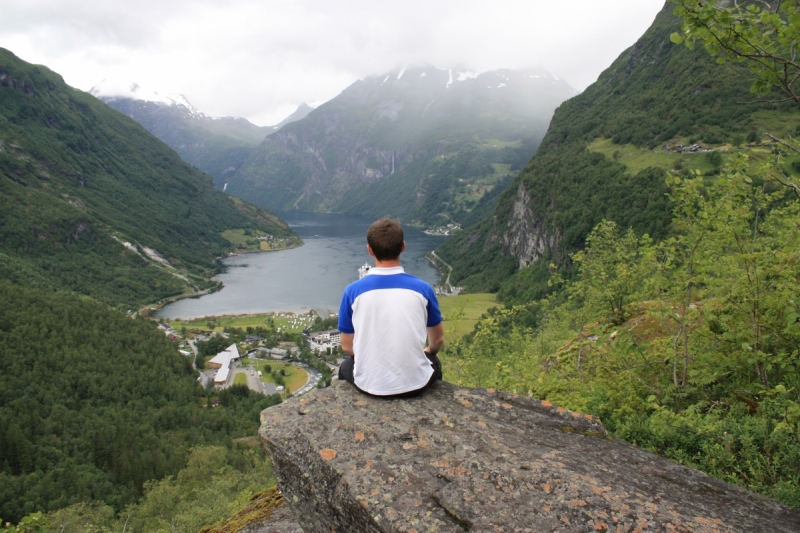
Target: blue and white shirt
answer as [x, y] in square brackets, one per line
[389, 311]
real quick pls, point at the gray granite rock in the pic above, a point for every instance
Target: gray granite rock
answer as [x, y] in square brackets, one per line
[457, 459]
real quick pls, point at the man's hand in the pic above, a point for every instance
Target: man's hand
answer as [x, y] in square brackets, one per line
[435, 339]
[347, 343]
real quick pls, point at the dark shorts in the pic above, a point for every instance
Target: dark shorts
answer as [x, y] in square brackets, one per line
[347, 367]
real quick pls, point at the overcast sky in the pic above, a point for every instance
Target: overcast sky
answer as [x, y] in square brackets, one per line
[261, 58]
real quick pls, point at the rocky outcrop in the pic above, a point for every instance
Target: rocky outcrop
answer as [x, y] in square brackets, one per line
[457, 459]
[528, 238]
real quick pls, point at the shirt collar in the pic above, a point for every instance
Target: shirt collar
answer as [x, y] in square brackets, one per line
[386, 271]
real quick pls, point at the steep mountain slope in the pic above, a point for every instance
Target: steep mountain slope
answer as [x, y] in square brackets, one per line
[605, 156]
[91, 202]
[217, 146]
[423, 145]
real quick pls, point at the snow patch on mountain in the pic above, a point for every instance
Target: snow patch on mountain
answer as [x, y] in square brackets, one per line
[112, 89]
[467, 75]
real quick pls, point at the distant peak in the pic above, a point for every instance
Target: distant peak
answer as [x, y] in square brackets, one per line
[113, 89]
[299, 114]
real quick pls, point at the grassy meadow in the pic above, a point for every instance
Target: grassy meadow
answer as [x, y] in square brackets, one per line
[462, 312]
[295, 380]
[290, 323]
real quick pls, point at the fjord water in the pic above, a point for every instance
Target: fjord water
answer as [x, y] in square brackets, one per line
[312, 276]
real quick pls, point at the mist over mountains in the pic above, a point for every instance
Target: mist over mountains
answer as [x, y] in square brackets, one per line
[215, 145]
[424, 145]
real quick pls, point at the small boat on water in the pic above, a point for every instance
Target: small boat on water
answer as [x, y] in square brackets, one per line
[363, 270]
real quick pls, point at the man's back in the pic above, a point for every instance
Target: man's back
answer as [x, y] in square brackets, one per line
[385, 319]
[389, 312]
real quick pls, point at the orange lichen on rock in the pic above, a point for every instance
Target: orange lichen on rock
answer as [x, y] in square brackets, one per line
[328, 454]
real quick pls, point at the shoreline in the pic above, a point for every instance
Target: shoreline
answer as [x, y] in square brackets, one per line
[242, 315]
[148, 310]
[245, 252]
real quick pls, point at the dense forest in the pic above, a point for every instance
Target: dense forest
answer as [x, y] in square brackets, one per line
[95, 404]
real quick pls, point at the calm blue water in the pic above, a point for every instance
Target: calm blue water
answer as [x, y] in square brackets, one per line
[310, 277]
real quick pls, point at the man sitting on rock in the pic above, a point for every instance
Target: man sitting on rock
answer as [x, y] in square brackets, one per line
[385, 318]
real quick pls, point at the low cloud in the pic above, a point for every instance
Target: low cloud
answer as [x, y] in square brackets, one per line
[260, 59]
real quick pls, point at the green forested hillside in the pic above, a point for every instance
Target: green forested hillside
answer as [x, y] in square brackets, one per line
[217, 146]
[605, 156]
[78, 179]
[94, 404]
[687, 345]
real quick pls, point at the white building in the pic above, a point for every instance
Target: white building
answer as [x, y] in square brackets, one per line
[322, 340]
[223, 361]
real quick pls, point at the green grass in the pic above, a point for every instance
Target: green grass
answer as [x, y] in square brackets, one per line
[294, 381]
[497, 143]
[244, 321]
[240, 379]
[462, 312]
[236, 236]
[638, 159]
[779, 123]
[250, 243]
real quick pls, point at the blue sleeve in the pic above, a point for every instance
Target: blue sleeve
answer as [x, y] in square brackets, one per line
[434, 314]
[346, 313]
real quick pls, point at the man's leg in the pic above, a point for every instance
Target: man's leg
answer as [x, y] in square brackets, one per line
[346, 370]
[436, 363]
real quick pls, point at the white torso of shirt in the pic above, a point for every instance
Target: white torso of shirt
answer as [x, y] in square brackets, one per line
[390, 332]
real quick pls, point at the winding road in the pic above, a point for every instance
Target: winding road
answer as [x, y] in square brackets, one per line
[447, 281]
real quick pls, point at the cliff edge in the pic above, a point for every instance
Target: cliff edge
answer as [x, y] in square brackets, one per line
[457, 459]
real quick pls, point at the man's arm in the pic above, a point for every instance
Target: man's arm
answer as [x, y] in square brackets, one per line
[347, 343]
[435, 339]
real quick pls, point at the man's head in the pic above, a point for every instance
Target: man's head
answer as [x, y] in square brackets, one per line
[385, 239]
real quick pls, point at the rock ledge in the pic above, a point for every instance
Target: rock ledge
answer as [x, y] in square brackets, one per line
[456, 459]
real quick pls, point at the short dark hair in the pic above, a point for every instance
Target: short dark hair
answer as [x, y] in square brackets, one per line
[385, 237]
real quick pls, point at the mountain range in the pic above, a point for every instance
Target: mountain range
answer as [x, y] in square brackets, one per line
[215, 145]
[425, 145]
